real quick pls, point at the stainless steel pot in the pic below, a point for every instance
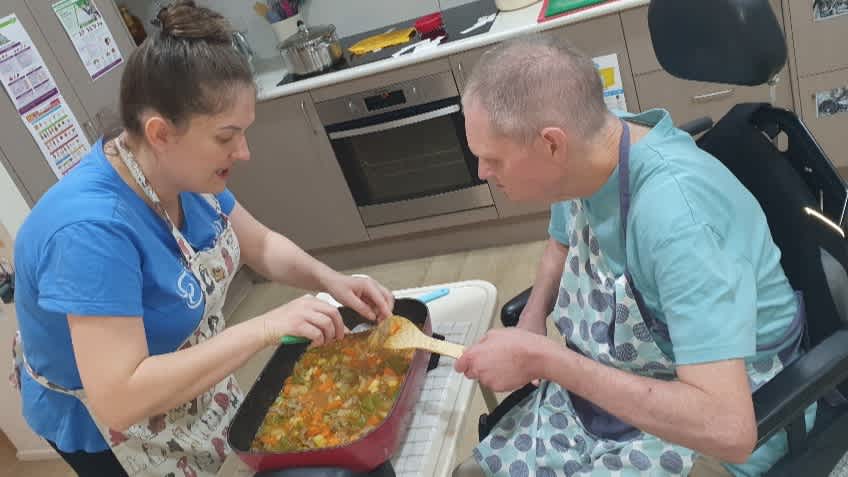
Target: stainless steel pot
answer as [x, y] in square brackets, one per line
[311, 50]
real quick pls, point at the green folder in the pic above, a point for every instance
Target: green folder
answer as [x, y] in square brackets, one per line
[556, 7]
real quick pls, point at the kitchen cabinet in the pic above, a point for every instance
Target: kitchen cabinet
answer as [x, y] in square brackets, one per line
[818, 30]
[23, 159]
[818, 41]
[599, 37]
[688, 100]
[827, 117]
[95, 95]
[463, 63]
[292, 183]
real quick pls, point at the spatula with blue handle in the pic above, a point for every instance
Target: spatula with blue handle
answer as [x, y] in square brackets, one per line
[425, 298]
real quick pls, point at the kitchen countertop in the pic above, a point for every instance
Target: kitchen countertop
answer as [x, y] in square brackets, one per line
[506, 25]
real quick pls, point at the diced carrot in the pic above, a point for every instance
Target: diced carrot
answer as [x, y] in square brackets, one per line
[373, 420]
[389, 372]
[334, 405]
[349, 351]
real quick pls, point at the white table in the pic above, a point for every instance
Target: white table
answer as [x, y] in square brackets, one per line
[429, 449]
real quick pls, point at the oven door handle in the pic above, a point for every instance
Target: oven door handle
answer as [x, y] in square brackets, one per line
[446, 111]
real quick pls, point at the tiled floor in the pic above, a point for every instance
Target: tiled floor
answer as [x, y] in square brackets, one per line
[10, 466]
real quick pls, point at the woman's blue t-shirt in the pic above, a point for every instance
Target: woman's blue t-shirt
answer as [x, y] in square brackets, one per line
[92, 247]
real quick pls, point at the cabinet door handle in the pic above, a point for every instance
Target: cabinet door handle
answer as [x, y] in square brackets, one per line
[707, 97]
[306, 115]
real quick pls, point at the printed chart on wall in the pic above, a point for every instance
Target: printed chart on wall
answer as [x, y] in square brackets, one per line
[37, 99]
[90, 35]
[611, 76]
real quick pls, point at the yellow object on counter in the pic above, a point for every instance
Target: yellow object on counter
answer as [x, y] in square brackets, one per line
[383, 40]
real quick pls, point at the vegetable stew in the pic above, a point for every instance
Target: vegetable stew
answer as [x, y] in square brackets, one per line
[336, 394]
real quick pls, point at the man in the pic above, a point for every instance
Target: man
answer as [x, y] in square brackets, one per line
[660, 273]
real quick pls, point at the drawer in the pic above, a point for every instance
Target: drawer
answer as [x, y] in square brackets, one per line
[819, 39]
[638, 36]
[824, 106]
[598, 37]
[688, 100]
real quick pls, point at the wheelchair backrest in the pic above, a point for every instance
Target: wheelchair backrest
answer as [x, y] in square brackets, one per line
[803, 198]
[720, 41]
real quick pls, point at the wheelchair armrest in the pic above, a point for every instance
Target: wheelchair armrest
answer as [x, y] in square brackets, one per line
[512, 309]
[697, 126]
[781, 400]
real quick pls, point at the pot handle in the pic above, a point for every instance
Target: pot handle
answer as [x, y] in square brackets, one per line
[434, 357]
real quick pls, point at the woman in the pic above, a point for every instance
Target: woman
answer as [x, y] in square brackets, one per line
[123, 268]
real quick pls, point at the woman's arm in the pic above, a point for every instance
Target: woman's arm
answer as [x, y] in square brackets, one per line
[124, 384]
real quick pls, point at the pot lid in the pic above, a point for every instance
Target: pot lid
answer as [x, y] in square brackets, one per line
[307, 35]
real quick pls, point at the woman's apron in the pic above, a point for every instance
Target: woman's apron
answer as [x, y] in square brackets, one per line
[190, 440]
[603, 317]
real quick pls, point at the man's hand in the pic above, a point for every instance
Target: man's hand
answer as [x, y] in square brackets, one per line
[505, 359]
[534, 324]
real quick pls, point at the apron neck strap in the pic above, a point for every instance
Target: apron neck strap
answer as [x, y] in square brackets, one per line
[128, 158]
[624, 176]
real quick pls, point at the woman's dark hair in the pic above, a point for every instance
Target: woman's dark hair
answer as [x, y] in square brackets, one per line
[189, 67]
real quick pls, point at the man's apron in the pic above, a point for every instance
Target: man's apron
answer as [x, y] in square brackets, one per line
[603, 317]
[190, 440]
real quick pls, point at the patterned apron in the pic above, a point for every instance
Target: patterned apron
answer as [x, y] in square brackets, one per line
[190, 440]
[603, 317]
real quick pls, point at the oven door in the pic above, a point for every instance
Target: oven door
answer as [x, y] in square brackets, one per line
[409, 163]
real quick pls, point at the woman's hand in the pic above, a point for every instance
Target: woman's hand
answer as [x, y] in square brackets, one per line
[364, 295]
[307, 317]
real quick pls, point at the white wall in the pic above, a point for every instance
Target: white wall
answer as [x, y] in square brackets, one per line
[349, 16]
[13, 207]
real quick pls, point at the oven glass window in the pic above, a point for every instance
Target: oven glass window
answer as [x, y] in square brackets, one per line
[407, 162]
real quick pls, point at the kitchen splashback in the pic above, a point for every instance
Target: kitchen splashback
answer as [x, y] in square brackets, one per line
[349, 17]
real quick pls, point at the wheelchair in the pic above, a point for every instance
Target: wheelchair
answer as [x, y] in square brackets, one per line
[804, 199]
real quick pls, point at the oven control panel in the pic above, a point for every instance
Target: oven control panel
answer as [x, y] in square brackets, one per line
[427, 89]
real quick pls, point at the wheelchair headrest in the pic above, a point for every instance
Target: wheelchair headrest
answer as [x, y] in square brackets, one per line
[721, 41]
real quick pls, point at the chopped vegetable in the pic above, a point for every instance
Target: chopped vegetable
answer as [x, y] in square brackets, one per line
[336, 394]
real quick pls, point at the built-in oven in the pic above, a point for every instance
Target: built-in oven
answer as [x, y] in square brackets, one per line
[403, 152]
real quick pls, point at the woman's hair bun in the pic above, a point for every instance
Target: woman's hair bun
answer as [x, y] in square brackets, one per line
[185, 20]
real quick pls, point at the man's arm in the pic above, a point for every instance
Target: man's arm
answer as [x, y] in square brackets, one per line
[709, 409]
[545, 287]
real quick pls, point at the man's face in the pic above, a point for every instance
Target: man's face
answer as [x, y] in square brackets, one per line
[524, 172]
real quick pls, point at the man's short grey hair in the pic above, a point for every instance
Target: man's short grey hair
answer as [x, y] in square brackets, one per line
[533, 82]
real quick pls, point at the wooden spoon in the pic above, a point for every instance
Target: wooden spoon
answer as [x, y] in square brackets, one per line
[398, 332]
